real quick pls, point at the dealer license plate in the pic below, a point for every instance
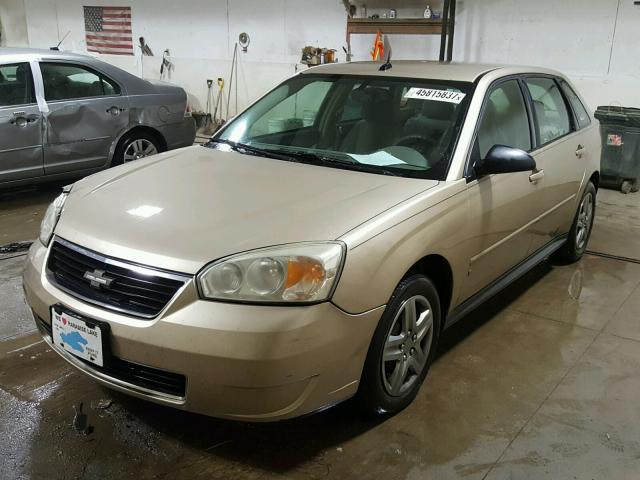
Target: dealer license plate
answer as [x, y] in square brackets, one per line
[77, 337]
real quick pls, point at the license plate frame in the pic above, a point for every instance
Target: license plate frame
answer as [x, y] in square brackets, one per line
[92, 336]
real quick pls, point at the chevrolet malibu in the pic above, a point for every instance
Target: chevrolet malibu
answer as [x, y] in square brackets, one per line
[316, 248]
[64, 115]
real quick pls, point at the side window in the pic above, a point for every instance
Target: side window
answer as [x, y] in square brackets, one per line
[16, 85]
[109, 87]
[294, 111]
[550, 109]
[505, 120]
[64, 81]
[578, 108]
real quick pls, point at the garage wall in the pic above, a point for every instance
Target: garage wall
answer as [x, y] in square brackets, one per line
[13, 24]
[593, 41]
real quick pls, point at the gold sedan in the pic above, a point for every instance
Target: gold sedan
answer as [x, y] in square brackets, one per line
[319, 244]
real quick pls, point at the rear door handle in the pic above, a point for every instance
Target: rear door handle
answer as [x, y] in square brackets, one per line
[580, 151]
[535, 176]
[114, 110]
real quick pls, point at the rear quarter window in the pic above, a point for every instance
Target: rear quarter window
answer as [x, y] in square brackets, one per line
[582, 116]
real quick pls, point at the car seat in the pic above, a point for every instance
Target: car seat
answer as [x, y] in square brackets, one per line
[376, 129]
[432, 122]
[19, 92]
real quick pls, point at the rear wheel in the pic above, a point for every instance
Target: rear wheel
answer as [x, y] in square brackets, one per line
[402, 348]
[578, 238]
[134, 146]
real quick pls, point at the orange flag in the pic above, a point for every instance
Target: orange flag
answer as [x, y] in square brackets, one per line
[378, 47]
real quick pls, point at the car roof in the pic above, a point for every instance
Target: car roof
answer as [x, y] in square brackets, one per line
[35, 53]
[434, 70]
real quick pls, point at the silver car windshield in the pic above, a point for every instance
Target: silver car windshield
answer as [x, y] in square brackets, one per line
[381, 125]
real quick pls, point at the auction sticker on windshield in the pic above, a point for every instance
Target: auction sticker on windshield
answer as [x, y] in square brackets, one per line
[77, 337]
[435, 95]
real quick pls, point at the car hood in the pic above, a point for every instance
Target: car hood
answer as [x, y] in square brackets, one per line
[182, 209]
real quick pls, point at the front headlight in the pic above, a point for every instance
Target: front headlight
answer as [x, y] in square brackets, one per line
[52, 215]
[294, 273]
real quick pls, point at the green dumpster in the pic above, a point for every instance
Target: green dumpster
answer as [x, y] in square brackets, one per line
[620, 164]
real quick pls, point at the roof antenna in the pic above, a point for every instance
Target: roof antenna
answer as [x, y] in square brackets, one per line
[387, 51]
[57, 47]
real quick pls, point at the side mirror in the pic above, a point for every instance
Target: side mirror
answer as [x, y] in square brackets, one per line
[502, 159]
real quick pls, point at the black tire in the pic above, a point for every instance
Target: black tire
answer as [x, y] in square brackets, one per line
[128, 140]
[574, 248]
[375, 391]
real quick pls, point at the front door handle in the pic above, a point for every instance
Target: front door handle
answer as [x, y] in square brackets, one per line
[536, 176]
[21, 120]
[580, 151]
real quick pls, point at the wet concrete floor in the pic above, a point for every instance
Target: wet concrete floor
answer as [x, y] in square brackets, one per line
[541, 383]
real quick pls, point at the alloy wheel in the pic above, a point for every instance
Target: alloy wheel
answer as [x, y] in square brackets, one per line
[139, 148]
[408, 345]
[585, 217]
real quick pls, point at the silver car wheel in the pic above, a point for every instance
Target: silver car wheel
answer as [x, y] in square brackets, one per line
[408, 345]
[585, 217]
[139, 148]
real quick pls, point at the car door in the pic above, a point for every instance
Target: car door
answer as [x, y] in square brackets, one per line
[87, 113]
[500, 206]
[20, 124]
[559, 144]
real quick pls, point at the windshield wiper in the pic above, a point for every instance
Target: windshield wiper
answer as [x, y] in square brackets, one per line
[302, 156]
[322, 158]
[248, 149]
[347, 163]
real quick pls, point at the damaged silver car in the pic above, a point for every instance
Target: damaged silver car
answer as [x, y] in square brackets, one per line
[66, 115]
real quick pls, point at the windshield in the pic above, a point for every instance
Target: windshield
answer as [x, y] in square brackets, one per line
[381, 125]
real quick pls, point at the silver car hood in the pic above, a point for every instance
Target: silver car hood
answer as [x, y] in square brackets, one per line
[185, 208]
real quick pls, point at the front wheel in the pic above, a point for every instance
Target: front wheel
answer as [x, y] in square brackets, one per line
[135, 146]
[402, 348]
[576, 243]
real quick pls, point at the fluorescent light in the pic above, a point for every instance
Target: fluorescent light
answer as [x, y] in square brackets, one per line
[144, 211]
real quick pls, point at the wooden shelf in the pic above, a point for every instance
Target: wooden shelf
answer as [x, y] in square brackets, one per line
[406, 26]
[444, 27]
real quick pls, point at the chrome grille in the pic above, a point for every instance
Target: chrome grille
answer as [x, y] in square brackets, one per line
[110, 283]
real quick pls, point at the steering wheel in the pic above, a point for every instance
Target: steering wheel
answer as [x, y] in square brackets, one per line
[417, 142]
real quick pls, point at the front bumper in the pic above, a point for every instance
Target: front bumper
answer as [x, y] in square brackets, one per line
[244, 362]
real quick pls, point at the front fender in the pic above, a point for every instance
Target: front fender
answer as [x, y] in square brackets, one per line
[434, 222]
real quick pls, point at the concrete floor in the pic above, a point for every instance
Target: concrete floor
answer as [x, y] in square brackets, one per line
[540, 383]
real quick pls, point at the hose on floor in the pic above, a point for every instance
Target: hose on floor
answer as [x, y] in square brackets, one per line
[15, 247]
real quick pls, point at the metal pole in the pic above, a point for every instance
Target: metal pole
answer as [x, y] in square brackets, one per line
[445, 24]
[451, 29]
[233, 64]
[235, 112]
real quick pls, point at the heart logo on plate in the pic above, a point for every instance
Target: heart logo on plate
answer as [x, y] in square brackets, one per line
[64, 321]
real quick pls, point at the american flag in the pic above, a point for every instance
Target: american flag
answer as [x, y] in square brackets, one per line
[108, 30]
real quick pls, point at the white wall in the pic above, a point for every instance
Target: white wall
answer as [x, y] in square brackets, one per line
[574, 36]
[13, 24]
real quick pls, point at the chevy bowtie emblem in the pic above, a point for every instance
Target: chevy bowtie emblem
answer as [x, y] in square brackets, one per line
[98, 279]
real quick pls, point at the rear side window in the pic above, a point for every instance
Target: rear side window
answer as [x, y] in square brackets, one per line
[64, 81]
[578, 108]
[16, 85]
[505, 120]
[549, 108]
